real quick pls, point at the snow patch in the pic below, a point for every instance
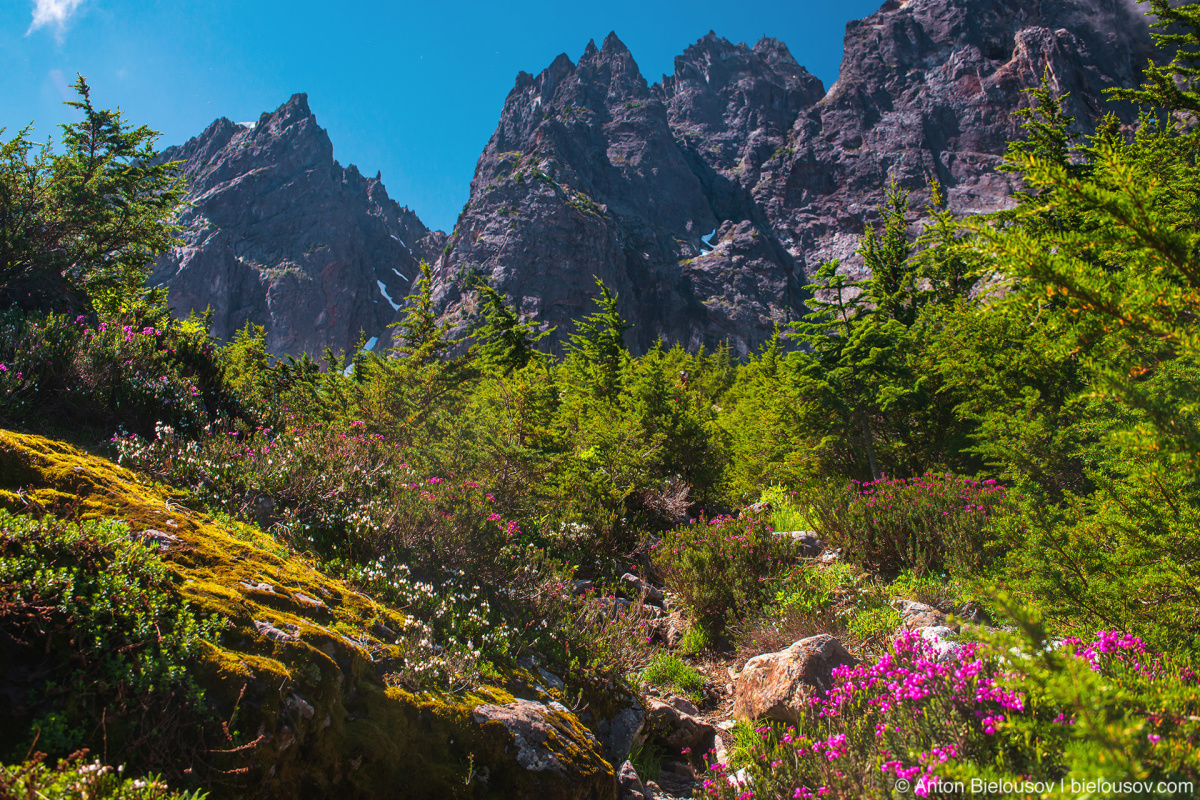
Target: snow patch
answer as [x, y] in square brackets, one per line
[247, 124]
[383, 291]
[398, 273]
[708, 238]
[398, 239]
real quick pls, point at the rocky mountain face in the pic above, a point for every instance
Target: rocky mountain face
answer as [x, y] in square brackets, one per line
[585, 177]
[707, 199]
[281, 235]
[926, 91]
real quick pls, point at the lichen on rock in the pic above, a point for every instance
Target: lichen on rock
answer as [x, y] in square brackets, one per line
[301, 678]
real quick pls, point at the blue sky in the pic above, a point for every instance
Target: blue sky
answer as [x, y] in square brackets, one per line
[413, 90]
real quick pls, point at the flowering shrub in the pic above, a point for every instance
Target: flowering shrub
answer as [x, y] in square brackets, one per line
[76, 778]
[911, 723]
[933, 522]
[453, 632]
[322, 486]
[58, 368]
[721, 565]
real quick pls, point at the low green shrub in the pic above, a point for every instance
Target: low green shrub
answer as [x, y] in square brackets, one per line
[932, 523]
[875, 624]
[939, 591]
[670, 672]
[92, 611]
[647, 758]
[786, 513]
[721, 566]
[695, 640]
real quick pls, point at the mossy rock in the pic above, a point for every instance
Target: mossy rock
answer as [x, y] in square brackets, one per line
[301, 668]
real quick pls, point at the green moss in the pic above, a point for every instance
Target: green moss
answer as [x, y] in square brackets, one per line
[311, 714]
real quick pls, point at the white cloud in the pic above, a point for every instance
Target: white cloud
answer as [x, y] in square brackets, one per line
[53, 12]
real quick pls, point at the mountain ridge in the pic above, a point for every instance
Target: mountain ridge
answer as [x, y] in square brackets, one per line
[706, 200]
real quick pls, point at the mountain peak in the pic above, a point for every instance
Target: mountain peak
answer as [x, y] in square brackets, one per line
[613, 44]
[280, 234]
[295, 108]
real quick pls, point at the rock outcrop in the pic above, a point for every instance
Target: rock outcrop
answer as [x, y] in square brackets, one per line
[279, 234]
[707, 199]
[779, 685]
[926, 91]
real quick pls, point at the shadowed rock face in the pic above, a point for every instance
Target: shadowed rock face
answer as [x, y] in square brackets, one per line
[592, 172]
[281, 235]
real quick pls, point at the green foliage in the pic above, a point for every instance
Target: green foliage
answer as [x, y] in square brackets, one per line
[75, 778]
[1171, 86]
[786, 514]
[694, 640]
[415, 394]
[1115, 272]
[596, 350]
[936, 591]
[762, 419]
[647, 758]
[1122, 558]
[79, 229]
[95, 605]
[932, 523]
[58, 371]
[506, 341]
[874, 624]
[862, 378]
[721, 566]
[669, 672]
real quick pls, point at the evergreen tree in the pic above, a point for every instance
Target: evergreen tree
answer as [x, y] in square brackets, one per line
[596, 351]
[853, 372]
[505, 341]
[81, 229]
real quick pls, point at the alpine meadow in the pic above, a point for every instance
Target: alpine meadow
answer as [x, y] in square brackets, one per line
[921, 517]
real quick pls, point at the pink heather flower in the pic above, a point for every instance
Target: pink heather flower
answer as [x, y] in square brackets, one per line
[494, 517]
[1153, 738]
